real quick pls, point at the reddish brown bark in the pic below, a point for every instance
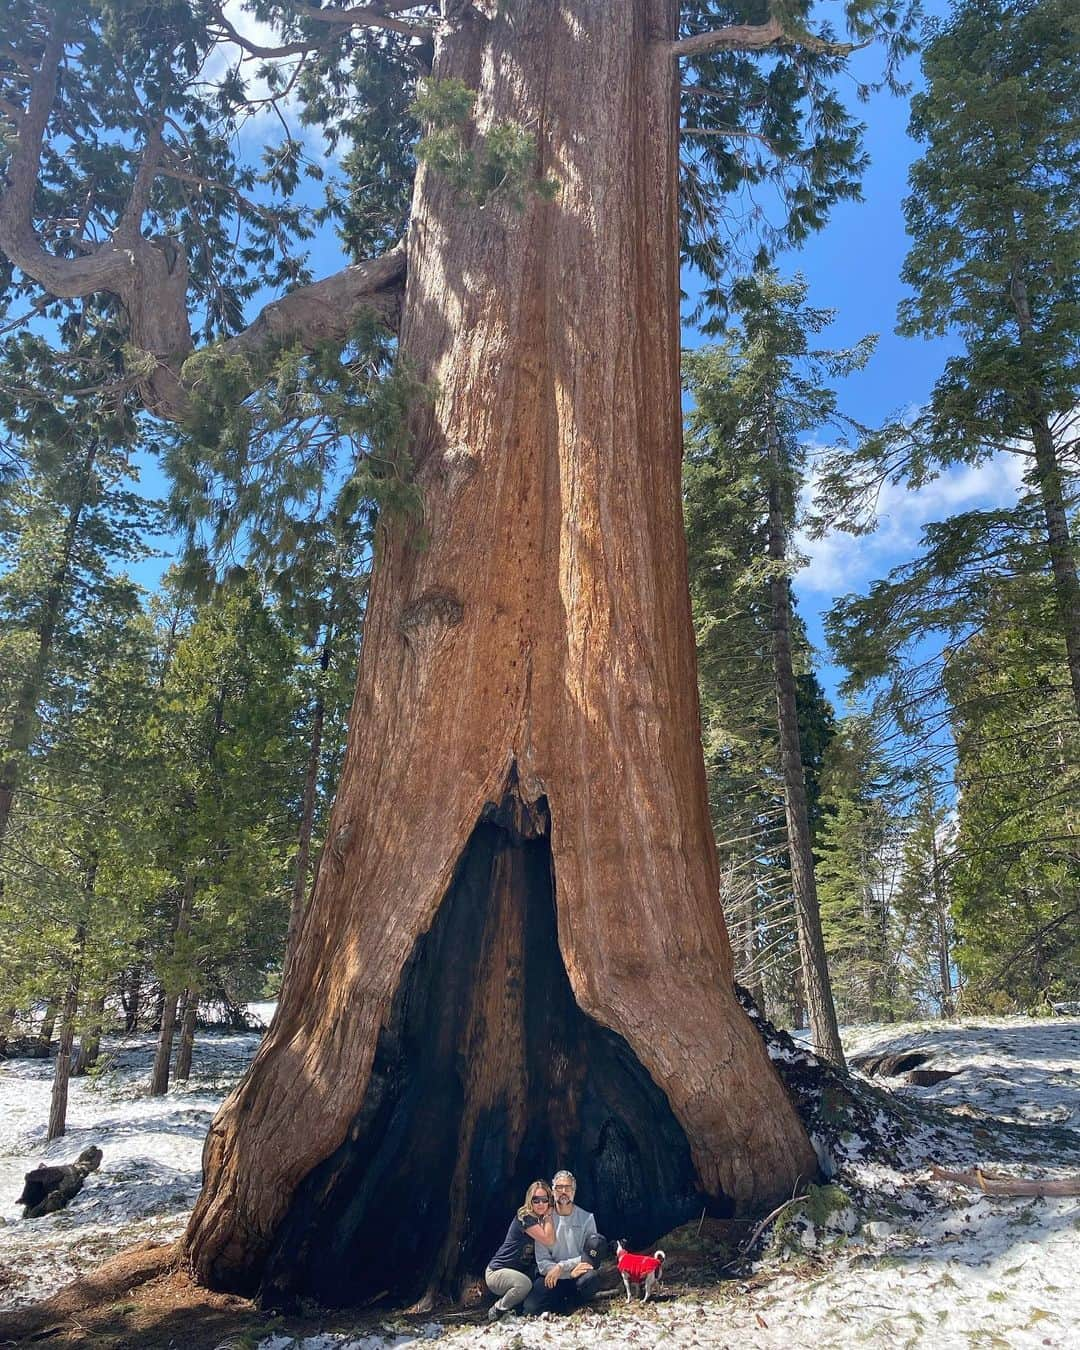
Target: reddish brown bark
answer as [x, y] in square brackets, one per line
[524, 790]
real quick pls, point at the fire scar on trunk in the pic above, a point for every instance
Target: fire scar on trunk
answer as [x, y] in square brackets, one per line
[485, 1033]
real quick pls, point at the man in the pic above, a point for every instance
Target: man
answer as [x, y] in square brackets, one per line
[568, 1269]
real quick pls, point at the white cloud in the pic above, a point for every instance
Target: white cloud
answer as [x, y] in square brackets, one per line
[840, 563]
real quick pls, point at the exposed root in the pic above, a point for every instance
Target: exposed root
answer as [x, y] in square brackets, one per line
[123, 1272]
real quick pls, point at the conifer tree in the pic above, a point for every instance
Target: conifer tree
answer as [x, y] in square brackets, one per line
[755, 398]
[222, 741]
[995, 226]
[1015, 862]
[860, 852]
[924, 902]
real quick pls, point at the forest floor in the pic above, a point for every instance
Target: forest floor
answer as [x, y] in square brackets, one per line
[891, 1257]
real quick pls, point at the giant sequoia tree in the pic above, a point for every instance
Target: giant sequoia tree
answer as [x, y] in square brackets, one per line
[514, 955]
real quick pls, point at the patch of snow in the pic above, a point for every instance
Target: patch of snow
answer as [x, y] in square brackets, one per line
[151, 1167]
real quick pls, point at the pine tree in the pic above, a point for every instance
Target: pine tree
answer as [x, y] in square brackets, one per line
[1016, 856]
[223, 744]
[924, 903]
[995, 225]
[860, 853]
[754, 399]
[70, 521]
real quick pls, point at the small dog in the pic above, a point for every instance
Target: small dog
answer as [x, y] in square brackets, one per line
[642, 1270]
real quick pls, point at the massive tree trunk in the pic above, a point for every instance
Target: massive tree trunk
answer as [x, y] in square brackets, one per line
[514, 956]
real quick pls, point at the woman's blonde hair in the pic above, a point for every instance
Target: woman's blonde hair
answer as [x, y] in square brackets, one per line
[526, 1211]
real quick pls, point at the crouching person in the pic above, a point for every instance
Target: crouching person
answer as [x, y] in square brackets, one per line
[505, 1275]
[568, 1266]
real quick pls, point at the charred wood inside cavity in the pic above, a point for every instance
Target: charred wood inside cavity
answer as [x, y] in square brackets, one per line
[486, 1075]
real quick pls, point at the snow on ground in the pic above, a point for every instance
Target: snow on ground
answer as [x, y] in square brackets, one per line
[921, 1262]
[151, 1168]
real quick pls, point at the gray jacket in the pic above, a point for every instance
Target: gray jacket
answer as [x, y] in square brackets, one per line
[572, 1231]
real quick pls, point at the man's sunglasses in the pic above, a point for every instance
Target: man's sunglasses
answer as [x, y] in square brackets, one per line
[540, 1200]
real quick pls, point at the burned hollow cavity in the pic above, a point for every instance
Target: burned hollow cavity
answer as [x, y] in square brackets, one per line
[487, 1075]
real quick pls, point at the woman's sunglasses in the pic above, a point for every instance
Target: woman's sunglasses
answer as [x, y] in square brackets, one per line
[540, 1200]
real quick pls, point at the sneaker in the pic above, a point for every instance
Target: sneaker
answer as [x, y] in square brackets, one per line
[495, 1312]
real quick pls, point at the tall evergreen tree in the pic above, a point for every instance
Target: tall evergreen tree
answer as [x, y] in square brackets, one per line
[1015, 872]
[994, 216]
[222, 740]
[924, 903]
[72, 518]
[756, 397]
[726, 512]
[860, 864]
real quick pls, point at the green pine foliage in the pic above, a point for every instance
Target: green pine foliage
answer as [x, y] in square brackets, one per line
[1015, 878]
[221, 820]
[860, 871]
[766, 372]
[972, 647]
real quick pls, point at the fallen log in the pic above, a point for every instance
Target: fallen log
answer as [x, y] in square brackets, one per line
[991, 1183]
[47, 1189]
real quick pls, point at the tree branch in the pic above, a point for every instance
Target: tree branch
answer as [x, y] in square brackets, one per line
[150, 276]
[298, 48]
[991, 1183]
[756, 37]
[325, 310]
[341, 20]
[364, 16]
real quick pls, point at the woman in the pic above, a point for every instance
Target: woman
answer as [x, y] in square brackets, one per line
[533, 1222]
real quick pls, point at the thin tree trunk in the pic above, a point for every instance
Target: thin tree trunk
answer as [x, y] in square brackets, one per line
[159, 1078]
[24, 718]
[751, 977]
[948, 1007]
[819, 997]
[798, 1004]
[90, 1040]
[48, 1024]
[1051, 490]
[187, 1036]
[58, 1105]
[307, 811]
[131, 998]
[1062, 550]
[516, 914]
